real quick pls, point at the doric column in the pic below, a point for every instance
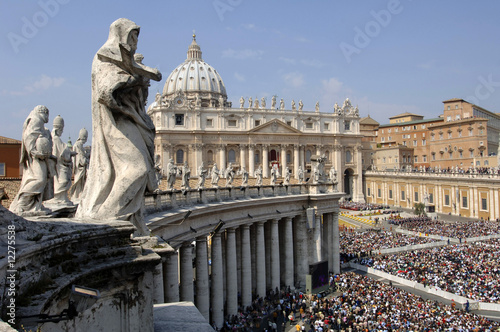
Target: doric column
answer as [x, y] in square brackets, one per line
[251, 159]
[275, 255]
[243, 156]
[260, 260]
[337, 162]
[232, 279]
[300, 247]
[167, 154]
[158, 293]
[223, 159]
[318, 150]
[268, 250]
[238, 257]
[315, 248]
[171, 278]
[283, 160]
[217, 287]
[303, 157]
[288, 251]
[336, 242]
[328, 228]
[246, 267]
[202, 284]
[265, 160]
[186, 272]
[296, 160]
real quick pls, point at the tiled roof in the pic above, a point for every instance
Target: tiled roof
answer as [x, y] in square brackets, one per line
[6, 140]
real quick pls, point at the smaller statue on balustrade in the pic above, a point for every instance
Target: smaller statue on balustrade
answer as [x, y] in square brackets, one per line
[229, 175]
[317, 106]
[274, 174]
[282, 104]
[300, 174]
[158, 171]
[244, 176]
[202, 175]
[258, 176]
[273, 102]
[333, 178]
[286, 176]
[171, 174]
[250, 102]
[301, 105]
[242, 102]
[186, 175]
[263, 102]
[293, 105]
[215, 176]
[256, 103]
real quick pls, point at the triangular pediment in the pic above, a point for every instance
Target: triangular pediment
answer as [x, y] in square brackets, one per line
[275, 127]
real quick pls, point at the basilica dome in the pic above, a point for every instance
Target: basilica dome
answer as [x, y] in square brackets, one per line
[195, 78]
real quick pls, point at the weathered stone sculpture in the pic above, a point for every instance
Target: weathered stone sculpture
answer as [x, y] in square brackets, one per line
[282, 104]
[215, 176]
[63, 166]
[122, 164]
[258, 175]
[301, 105]
[158, 171]
[80, 165]
[300, 174]
[250, 102]
[333, 178]
[274, 175]
[36, 149]
[273, 102]
[293, 105]
[202, 175]
[244, 176]
[256, 103]
[286, 180]
[263, 102]
[186, 175]
[317, 106]
[319, 169]
[171, 174]
[242, 102]
[229, 175]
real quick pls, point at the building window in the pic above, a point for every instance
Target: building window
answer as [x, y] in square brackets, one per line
[464, 202]
[390, 193]
[2, 169]
[179, 156]
[396, 130]
[257, 123]
[309, 125]
[288, 157]
[447, 200]
[348, 156]
[231, 156]
[383, 139]
[448, 107]
[402, 195]
[327, 126]
[470, 132]
[431, 198]
[308, 156]
[423, 142]
[448, 118]
[231, 123]
[379, 193]
[210, 156]
[460, 154]
[369, 192]
[416, 196]
[472, 153]
[433, 157]
[210, 123]
[347, 125]
[257, 157]
[459, 133]
[424, 158]
[179, 119]
[415, 143]
[289, 123]
[440, 135]
[451, 154]
[484, 204]
[449, 134]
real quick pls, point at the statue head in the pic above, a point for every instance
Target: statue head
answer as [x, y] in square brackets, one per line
[138, 57]
[122, 32]
[58, 125]
[43, 111]
[83, 135]
[171, 161]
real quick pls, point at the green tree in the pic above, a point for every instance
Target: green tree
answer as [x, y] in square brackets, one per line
[419, 209]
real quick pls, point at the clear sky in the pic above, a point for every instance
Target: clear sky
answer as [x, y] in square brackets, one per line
[387, 56]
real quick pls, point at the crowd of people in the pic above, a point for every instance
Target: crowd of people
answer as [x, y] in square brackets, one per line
[369, 305]
[354, 242]
[357, 206]
[457, 229]
[471, 270]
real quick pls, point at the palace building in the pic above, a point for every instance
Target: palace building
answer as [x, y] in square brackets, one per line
[196, 123]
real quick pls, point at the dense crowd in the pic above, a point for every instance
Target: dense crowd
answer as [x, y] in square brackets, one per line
[369, 305]
[455, 229]
[356, 206]
[469, 270]
[354, 242]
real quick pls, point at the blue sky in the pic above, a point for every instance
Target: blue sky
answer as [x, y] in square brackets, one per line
[387, 56]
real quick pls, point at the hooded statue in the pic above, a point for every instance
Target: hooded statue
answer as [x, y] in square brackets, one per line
[122, 162]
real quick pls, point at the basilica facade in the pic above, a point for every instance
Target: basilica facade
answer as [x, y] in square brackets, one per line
[196, 123]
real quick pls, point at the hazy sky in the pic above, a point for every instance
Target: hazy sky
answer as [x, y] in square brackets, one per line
[387, 56]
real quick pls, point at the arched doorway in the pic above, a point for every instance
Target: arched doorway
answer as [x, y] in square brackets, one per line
[348, 182]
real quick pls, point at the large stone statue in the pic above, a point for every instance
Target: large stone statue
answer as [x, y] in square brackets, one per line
[250, 102]
[258, 175]
[317, 106]
[274, 174]
[301, 174]
[282, 104]
[36, 149]
[319, 169]
[80, 165]
[202, 175]
[242, 102]
[273, 102]
[244, 176]
[263, 102]
[301, 105]
[293, 105]
[333, 178]
[171, 174]
[186, 175]
[215, 176]
[158, 171]
[122, 162]
[286, 180]
[229, 175]
[63, 165]
[256, 103]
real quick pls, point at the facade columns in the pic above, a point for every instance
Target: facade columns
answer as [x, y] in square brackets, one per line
[283, 161]
[217, 282]
[243, 156]
[265, 160]
[301, 256]
[231, 273]
[296, 160]
[288, 252]
[202, 283]
[171, 278]
[275, 255]
[260, 260]
[251, 159]
[186, 272]
[336, 242]
[223, 158]
[315, 245]
[167, 154]
[302, 153]
[198, 152]
[246, 267]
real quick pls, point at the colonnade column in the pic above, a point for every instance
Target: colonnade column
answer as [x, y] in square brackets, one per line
[316, 240]
[260, 260]
[328, 225]
[167, 154]
[301, 256]
[336, 242]
[186, 272]
[171, 278]
[296, 160]
[198, 152]
[288, 251]
[243, 156]
[202, 284]
[275, 255]
[217, 286]
[232, 279]
[222, 149]
[302, 153]
[251, 159]
[265, 160]
[283, 160]
[246, 267]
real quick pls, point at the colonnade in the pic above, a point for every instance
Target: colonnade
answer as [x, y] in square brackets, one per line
[226, 271]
